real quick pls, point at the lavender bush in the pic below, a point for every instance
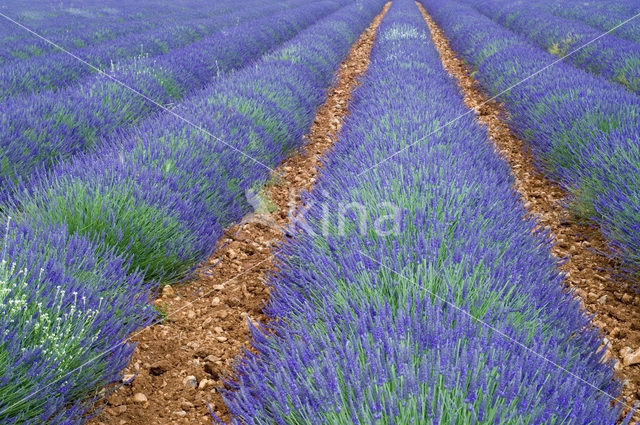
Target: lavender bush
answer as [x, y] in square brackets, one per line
[54, 72]
[427, 325]
[107, 227]
[65, 301]
[56, 19]
[602, 15]
[615, 59]
[583, 130]
[94, 26]
[39, 130]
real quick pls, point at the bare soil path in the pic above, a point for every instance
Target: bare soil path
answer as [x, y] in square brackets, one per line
[179, 362]
[614, 304]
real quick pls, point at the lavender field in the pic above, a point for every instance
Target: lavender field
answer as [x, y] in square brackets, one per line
[329, 212]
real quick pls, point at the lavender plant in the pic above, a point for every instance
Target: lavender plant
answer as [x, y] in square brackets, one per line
[602, 15]
[458, 317]
[74, 31]
[165, 193]
[613, 58]
[51, 19]
[68, 305]
[583, 130]
[50, 73]
[90, 236]
[37, 131]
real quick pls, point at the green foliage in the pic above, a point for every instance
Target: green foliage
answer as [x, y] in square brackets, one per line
[119, 219]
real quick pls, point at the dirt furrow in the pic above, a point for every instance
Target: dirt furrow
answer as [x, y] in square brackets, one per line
[611, 300]
[176, 370]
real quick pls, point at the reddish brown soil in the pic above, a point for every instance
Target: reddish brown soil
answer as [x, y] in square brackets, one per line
[206, 328]
[614, 304]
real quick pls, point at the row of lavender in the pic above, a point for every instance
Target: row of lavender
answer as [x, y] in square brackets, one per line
[135, 50]
[603, 15]
[52, 19]
[39, 130]
[583, 130]
[89, 26]
[450, 309]
[91, 238]
[614, 58]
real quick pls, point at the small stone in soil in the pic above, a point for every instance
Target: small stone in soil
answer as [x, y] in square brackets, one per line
[632, 358]
[180, 413]
[140, 398]
[190, 381]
